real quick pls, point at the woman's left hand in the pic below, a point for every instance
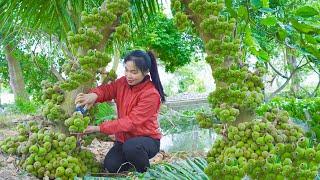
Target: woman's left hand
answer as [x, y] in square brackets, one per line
[92, 129]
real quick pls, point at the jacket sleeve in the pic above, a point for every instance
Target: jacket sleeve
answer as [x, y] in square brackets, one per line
[105, 92]
[147, 107]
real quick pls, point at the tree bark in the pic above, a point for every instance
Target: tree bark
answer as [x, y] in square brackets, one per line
[292, 63]
[15, 74]
[116, 59]
[68, 104]
[56, 73]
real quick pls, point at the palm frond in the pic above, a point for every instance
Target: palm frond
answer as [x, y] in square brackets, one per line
[185, 169]
[52, 16]
[142, 10]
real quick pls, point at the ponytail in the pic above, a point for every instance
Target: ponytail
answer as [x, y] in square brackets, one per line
[155, 76]
[147, 61]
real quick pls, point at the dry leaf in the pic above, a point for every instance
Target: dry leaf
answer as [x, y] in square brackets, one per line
[10, 159]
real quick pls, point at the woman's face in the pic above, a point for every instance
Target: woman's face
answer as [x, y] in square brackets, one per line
[133, 75]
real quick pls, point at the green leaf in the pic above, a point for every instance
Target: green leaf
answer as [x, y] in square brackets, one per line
[302, 27]
[185, 169]
[263, 55]
[282, 34]
[256, 3]
[242, 12]
[313, 50]
[105, 112]
[265, 3]
[196, 167]
[228, 3]
[248, 38]
[269, 21]
[317, 38]
[310, 39]
[232, 12]
[306, 11]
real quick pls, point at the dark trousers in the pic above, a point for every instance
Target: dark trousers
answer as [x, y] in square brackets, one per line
[134, 153]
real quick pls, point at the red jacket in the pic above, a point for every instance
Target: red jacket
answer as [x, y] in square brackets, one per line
[137, 107]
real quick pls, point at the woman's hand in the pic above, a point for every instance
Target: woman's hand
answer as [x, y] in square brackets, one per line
[92, 129]
[86, 100]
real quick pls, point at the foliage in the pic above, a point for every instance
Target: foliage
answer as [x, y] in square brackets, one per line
[185, 169]
[191, 168]
[188, 78]
[4, 72]
[51, 17]
[104, 112]
[26, 107]
[302, 109]
[21, 107]
[258, 148]
[278, 23]
[278, 30]
[36, 67]
[174, 48]
[178, 121]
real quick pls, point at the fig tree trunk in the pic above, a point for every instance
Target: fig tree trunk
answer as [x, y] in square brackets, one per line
[292, 64]
[15, 75]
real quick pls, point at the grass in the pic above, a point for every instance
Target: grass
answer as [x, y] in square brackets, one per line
[5, 122]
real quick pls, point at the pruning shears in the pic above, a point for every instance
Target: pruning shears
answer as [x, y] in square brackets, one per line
[83, 110]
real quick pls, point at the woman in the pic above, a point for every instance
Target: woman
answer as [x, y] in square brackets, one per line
[138, 102]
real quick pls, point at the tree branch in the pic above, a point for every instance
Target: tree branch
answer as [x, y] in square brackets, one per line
[107, 32]
[314, 93]
[33, 56]
[287, 81]
[272, 80]
[73, 15]
[275, 70]
[64, 49]
[56, 73]
[314, 69]
[305, 90]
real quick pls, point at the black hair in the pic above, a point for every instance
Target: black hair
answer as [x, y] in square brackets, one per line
[146, 61]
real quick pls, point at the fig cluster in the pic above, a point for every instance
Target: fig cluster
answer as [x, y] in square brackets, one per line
[270, 147]
[53, 96]
[45, 153]
[77, 123]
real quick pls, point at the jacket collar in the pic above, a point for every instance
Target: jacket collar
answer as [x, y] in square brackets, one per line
[141, 85]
